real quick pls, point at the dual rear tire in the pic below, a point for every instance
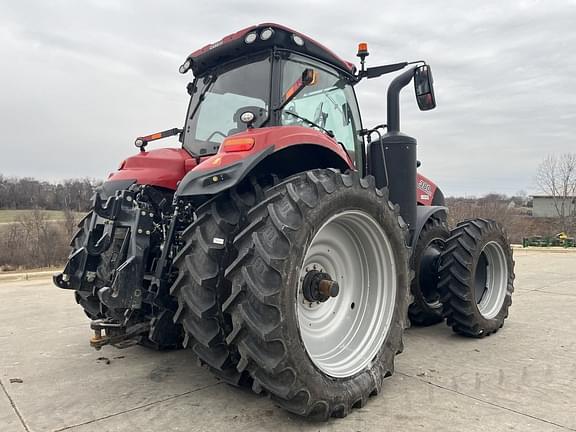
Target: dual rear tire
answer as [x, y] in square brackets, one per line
[201, 287]
[314, 357]
[249, 315]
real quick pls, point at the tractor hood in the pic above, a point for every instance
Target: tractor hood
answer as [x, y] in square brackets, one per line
[161, 167]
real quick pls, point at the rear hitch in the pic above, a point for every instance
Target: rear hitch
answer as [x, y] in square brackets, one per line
[120, 218]
[107, 332]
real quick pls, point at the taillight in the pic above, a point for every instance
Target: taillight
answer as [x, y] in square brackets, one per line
[238, 144]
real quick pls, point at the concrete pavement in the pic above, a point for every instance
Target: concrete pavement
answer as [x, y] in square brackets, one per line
[522, 378]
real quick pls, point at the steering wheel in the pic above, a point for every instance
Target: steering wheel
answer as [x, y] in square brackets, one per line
[214, 133]
[287, 118]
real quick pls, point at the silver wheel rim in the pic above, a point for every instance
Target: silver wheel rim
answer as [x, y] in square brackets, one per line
[343, 334]
[492, 299]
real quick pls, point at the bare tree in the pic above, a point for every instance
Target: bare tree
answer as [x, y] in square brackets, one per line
[556, 176]
[45, 241]
[70, 221]
[491, 206]
[29, 193]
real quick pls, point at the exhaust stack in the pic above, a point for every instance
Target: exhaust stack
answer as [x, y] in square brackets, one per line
[394, 155]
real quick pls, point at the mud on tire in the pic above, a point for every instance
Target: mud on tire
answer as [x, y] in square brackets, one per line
[476, 278]
[265, 284]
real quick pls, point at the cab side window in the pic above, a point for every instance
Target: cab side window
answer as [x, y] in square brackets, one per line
[329, 103]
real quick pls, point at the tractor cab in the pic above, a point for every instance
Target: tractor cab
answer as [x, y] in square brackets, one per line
[269, 76]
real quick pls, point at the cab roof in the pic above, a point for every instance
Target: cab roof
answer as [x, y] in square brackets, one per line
[235, 46]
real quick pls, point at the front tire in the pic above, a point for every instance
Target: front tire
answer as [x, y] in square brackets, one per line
[336, 224]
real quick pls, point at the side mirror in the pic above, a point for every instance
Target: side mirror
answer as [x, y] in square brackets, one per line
[309, 77]
[424, 88]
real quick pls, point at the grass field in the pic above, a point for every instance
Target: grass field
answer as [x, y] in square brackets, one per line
[10, 216]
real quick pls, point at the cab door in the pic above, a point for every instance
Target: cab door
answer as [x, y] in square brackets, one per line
[330, 103]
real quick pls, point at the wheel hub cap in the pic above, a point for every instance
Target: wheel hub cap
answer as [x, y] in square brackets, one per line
[319, 287]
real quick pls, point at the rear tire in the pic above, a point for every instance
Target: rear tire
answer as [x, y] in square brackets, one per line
[87, 299]
[298, 220]
[426, 308]
[476, 278]
[200, 286]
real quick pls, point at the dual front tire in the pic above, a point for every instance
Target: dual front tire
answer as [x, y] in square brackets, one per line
[464, 276]
[476, 278]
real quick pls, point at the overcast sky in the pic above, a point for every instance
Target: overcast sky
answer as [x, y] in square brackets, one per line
[79, 80]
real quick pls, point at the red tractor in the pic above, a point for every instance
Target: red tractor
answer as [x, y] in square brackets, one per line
[284, 243]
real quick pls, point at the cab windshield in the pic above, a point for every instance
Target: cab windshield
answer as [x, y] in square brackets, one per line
[219, 99]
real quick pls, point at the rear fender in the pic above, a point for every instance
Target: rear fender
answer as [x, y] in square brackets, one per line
[163, 167]
[274, 151]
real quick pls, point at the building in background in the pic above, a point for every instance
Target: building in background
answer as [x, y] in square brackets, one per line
[544, 206]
